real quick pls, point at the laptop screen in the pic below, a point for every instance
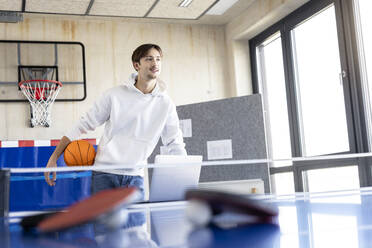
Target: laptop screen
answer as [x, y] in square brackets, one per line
[174, 176]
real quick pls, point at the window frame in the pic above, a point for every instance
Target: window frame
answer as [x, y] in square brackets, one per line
[353, 97]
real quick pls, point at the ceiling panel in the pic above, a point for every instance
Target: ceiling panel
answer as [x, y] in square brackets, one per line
[163, 10]
[129, 8]
[11, 5]
[171, 9]
[58, 6]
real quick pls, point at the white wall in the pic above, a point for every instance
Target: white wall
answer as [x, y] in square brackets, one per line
[194, 67]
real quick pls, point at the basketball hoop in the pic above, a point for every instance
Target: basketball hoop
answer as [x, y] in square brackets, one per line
[41, 95]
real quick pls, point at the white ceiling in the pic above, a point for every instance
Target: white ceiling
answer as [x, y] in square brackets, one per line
[57, 6]
[131, 8]
[199, 11]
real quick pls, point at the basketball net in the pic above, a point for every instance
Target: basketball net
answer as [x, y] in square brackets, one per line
[41, 95]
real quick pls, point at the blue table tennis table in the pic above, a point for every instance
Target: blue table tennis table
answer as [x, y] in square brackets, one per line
[329, 219]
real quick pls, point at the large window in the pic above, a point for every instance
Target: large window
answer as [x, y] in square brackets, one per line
[332, 179]
[272, 84]
[319, 83]
[313, 101]
[363, 19]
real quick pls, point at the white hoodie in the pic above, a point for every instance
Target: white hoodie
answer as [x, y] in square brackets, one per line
[134, 122]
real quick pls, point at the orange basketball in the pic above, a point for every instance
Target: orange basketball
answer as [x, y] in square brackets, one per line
[78, 153]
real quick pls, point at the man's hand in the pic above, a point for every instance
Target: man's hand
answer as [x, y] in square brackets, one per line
[53, 160]
[51, 181]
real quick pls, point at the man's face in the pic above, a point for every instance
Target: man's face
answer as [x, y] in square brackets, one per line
[149, 66]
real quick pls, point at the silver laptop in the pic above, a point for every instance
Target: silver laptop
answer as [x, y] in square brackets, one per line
[170, 183]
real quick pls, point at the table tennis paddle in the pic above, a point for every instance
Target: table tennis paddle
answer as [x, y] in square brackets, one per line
[89, 209]
[217, 203]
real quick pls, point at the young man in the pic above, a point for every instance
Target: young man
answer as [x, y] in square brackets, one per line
[136, 115]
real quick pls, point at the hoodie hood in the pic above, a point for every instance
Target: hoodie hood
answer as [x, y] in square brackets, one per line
[159, 89]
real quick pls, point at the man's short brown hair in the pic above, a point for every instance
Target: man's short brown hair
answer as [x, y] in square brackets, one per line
[142, 51]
